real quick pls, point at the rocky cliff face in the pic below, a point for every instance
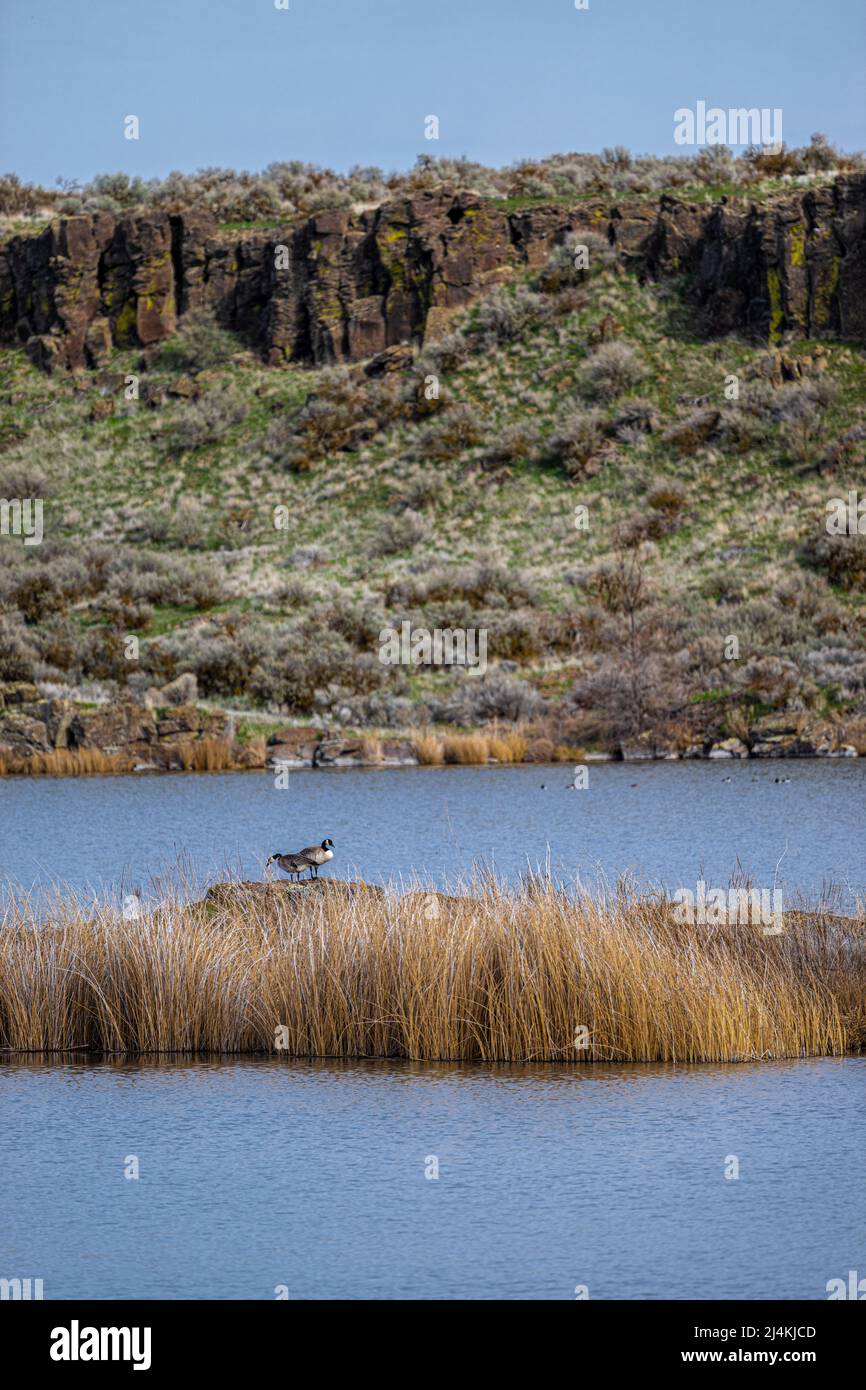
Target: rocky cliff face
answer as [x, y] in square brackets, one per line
[342, 286]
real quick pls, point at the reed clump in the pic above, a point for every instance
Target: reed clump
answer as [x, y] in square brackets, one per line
[210, 755]
[466, 748]
[507, 746]
[67, 762]
[535, 974]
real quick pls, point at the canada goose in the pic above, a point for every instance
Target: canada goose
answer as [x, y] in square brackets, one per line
[316, 855]
[291, 864]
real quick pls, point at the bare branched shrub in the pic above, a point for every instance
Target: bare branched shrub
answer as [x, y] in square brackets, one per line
[633, 419]
[506, 314]
[579, 257]
[516, 442]
[577, 441]
[401, 532]
[692, 429]
[19, 658]
[842, 558]
[196, 423]
[482, 699]
[200, 343]
[611, 370]
[454, 430]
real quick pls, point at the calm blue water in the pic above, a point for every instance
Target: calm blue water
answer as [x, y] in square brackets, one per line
[666, 823]
[261, 1173]
[313, 1176]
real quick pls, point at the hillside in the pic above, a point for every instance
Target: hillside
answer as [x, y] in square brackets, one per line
[616, 462]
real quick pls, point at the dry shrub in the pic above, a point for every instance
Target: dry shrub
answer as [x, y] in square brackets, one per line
[504, 746]
[371, 749]
[516, 442]
[200, 343]
[565, 269]
[567, 753]
[67, 762]
[577, 442]
[507, 747]
[428, 749]
[465, 748]
[692, 430]
[851, 729]
[611, 370]
[842, 558]
[455, 429]
[506, 314]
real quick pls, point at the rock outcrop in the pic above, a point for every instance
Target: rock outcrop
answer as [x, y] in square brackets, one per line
[344, 286]
[133, 733]
[284, 894]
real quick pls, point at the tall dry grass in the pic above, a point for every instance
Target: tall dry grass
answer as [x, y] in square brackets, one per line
[209, 755]
[66, 762]
[500, 975]
[199, 755]
[434, 749]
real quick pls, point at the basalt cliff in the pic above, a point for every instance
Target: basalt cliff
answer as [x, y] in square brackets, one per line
[342, 286]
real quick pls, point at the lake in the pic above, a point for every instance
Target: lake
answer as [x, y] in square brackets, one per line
[255, 1174]
[668, 823]
[260, 1173]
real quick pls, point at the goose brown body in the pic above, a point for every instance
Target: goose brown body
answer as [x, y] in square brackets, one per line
[312, 858]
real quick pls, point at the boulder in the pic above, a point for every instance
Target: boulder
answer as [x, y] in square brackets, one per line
[57, 716]
[292, 747]
[181, 723]
[22, 735]
[97, 342]
[394, 359]
[282, 894]
[398, 752]
[639, 749]
[112, 727]
[338, 752]
[729, 748]
[17, 693]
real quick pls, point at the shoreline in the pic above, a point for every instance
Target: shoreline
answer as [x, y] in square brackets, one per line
[199, 759]
[203, 757]
[42, 735]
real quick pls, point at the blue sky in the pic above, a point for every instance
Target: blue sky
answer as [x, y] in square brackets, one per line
[341, 82]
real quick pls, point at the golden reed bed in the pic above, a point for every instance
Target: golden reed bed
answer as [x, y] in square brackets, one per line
[535, 974]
